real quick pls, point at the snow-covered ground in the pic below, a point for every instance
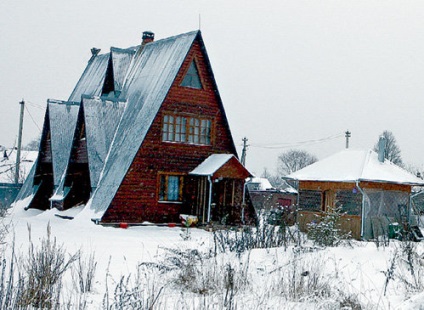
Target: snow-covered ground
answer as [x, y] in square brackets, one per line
[291, 277]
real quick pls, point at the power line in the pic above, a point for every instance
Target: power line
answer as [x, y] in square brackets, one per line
[32, 119]
[296, 144]
[35, 105]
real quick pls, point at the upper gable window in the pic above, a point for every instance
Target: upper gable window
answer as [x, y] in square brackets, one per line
[192, 78]
[186, 129]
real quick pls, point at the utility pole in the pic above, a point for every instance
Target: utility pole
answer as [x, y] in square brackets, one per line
[18, 152]
[244, 151]
[347, 135]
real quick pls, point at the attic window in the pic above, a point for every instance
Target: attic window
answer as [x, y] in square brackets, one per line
[192, 78]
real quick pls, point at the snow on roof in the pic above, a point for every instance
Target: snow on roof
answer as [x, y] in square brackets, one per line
[91, 81]
[150, 77]
[262, 183]
[101, 120]
[356, 165]
[121, 60]
[211, 164]
[63, 119]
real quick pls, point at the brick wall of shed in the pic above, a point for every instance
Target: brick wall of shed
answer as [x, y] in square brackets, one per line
[137, 198]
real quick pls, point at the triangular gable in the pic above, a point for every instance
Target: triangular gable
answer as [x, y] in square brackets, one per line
[121, 60]
[63, 119]
[192, 78]
[109, 84]
[146, 88]
[92, 80]
[221, 166]
[101, 118]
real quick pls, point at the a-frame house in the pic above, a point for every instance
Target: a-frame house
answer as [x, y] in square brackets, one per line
[169, 150]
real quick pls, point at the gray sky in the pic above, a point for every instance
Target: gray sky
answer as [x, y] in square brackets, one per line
[287, 71]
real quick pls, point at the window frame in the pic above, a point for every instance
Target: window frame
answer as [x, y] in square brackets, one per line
[163, 187]
[187, 129]
[195, 63]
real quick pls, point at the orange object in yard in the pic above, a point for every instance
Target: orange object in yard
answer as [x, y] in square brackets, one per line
[172, 224]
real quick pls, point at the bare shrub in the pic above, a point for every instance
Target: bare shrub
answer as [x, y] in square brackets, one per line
[410, 269]
[263, 236]
[134, 292]
[44, 268]
[84, 272]
[11, 283]
[205, 274]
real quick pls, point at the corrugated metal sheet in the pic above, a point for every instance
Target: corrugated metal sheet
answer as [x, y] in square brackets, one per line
[151, 76]
[121, 60]
[91, 81]
[101, 120]
[63, 119]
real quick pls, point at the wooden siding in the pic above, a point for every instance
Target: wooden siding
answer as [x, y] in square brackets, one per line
[137, 199]
[323, 186]
[348, 223]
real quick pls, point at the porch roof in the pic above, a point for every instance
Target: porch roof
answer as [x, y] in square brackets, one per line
[221, 165]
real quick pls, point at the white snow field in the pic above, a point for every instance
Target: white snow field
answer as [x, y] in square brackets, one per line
[151, 267]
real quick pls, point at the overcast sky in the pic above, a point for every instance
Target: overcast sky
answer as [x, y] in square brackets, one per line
[288, 71]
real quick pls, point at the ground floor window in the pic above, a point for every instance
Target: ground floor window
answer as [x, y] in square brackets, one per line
[170, 187]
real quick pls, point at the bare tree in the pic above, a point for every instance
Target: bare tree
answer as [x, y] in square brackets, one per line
[294, 160]
[392, 150]
[32, 145]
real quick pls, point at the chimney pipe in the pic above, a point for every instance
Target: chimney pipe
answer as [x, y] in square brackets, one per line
[381, 148]
[148, 37]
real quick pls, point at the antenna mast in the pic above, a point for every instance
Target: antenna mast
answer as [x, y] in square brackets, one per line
[347, 135]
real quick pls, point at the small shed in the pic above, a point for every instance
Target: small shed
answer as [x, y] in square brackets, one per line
[373, 193]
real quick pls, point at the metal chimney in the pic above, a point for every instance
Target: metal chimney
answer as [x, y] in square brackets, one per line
[381, 148]
[147, 37]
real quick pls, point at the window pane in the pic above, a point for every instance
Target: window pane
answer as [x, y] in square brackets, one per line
[173, 188]
[162, 188]
[183, 129]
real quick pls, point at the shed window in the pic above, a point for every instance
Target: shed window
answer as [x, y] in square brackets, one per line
[192, 78]
[170, 188]
[310, 200]
[349, 201]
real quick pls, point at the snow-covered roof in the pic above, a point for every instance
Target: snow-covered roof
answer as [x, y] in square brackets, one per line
[101, 119]
[356, 165]
[121, 60]
[211, 164]
[91, 81]
[261, 184]
[148, 81]
[63, 119]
